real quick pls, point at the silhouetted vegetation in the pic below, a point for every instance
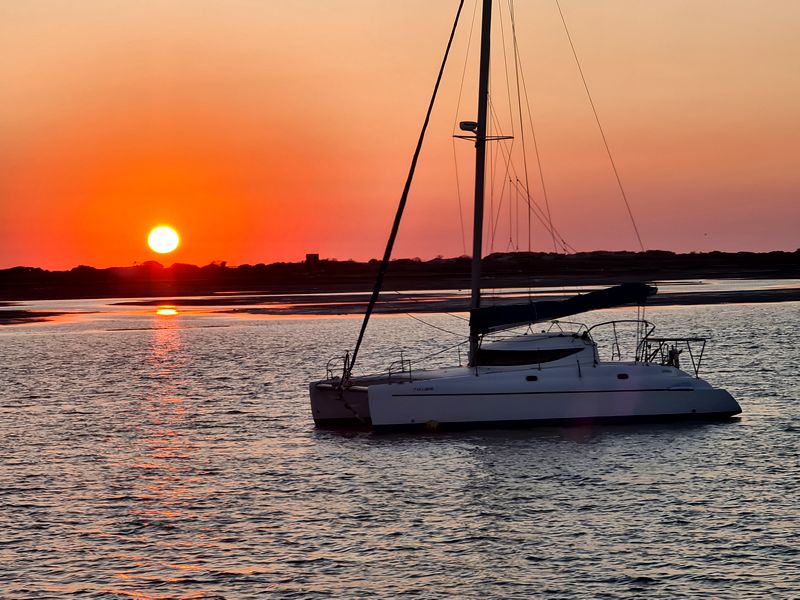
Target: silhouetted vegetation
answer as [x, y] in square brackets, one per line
[151, 279]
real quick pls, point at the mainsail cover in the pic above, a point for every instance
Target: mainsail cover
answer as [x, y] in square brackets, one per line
[495, 318]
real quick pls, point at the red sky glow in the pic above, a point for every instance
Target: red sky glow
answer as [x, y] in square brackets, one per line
[263, 130]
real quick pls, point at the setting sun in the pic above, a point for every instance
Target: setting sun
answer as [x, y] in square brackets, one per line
[163, 239]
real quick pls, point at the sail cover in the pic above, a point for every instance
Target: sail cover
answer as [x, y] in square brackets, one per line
[495, 318]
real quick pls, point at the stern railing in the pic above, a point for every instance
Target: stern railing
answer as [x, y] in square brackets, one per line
[650, 349]
[667, 350]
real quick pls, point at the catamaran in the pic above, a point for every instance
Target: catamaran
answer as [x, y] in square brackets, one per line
[547, 378]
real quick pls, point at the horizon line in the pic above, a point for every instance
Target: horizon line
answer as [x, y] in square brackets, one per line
[308, 260]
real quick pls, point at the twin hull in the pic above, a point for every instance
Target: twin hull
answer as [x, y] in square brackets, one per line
[467, 398]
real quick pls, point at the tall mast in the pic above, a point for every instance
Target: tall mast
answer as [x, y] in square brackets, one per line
[480, 168]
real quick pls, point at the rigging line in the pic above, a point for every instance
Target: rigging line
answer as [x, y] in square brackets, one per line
[400, 310]
[442, 351]
[534, 208]
[461, 335]
[507, 148]
[493, 166]
[494, 158]
[408, 314]
[505, 174]
[387, 255]
[466, 61]
[565, 245]
[505, 65]
[519, 105]
[600, 127]
[444, 313]
[533, 205]
[455, 123]
[516, 200]
[510, 245]
[533, 130]
[538, 156]
[531, 202]
[541, 216]
[458, 195]
[455, 316]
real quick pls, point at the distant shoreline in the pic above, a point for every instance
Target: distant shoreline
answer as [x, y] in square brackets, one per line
[315, 275]
[338, 304]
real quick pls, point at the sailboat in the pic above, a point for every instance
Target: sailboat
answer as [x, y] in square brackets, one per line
[554, 377]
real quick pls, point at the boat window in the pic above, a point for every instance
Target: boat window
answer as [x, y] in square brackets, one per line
[622, 375]
[531, 378]
[485, 357]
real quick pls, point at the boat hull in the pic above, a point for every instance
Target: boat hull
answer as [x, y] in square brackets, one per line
[466, 398]
[391, 411]
[543, 423]
[333, 407]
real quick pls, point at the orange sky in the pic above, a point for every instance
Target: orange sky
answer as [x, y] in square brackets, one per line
[265, 130]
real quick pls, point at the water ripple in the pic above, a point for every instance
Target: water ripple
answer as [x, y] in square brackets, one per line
[169, 457]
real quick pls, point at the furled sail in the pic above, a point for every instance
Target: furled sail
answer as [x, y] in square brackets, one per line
[495, 318]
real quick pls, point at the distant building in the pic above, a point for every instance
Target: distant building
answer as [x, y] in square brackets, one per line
[312, 259]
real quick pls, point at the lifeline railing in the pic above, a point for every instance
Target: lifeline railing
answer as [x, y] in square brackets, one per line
[405, 368]
[336, 364]
[643, 330]
[341, 364]
[667, 350]
[664, 351]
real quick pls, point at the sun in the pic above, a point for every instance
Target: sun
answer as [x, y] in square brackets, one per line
[163, 239]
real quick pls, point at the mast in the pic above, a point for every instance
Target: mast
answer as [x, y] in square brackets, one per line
[480, 169]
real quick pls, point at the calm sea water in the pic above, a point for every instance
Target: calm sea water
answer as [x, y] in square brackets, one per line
[174, 456]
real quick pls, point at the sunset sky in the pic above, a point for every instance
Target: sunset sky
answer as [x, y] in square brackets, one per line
[263, 130]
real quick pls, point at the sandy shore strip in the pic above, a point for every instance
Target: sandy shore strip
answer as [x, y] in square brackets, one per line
[434, 302]
[338, 304]
[18, 317]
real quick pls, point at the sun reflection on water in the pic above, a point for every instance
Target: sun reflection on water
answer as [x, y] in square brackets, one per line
[163, 486]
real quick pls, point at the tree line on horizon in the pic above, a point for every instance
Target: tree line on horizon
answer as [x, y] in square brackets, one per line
[153, 279]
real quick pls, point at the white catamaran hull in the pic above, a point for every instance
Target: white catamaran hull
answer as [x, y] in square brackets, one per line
[524, 398]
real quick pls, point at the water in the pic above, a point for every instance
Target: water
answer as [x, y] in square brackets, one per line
[174, 456]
